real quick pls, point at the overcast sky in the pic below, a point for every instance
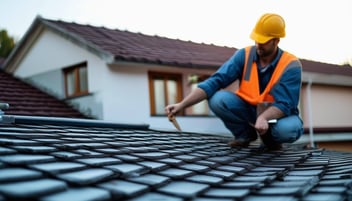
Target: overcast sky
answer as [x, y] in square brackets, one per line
[319, 30]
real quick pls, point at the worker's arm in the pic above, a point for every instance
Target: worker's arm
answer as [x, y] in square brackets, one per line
[194, 97]
[261, 124]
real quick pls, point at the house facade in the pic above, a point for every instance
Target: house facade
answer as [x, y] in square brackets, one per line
[112, 75]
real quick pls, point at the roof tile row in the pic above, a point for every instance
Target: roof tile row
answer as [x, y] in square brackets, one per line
[27, 100]
[53, 162]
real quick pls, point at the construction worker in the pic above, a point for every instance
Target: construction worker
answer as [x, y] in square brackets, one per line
[269, 89]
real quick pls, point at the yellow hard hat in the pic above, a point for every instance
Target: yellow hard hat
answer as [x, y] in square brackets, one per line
[269, 26]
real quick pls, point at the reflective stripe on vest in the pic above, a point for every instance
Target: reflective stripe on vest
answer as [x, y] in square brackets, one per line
[249, 86]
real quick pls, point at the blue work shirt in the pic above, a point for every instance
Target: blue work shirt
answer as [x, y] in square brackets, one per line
[285, 92]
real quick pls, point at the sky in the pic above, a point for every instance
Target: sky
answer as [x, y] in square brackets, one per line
[318, 30]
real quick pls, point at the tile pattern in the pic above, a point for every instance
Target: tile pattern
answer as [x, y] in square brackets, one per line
[53, 162]
[27, 100]
[137, 47]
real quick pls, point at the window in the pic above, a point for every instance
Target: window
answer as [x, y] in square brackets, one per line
[76, 80]
[164, 89]
[201, 108]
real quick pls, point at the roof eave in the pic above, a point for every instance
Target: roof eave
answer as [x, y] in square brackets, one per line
[328, 79]
[137, 63]
[327, 137]
[19, 119]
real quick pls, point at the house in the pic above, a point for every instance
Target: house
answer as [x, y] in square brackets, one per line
[112, 75]
[55, 159]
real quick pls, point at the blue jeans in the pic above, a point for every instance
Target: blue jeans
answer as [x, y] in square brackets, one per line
[236, 114]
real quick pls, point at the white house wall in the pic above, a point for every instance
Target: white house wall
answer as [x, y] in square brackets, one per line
[126, 93]
[50, 81]
[44, 61]
[331, 106]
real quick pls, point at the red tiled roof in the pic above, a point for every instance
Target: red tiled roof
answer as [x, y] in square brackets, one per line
[27, 100]
[319, 67]
[137, 47]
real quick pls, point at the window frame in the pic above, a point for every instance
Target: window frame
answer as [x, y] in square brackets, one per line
[195, 79]
[166, 76]
[75, 69]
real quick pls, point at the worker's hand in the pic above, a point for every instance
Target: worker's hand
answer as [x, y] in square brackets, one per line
[172, 109]
[261, 125]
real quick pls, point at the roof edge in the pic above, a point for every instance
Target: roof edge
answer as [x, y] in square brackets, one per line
[62, 121]
[135, 63]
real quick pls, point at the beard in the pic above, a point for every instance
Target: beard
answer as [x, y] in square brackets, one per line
[266, 51]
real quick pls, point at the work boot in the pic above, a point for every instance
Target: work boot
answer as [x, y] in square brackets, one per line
[269, 142]
[238, 143]
[244, 143]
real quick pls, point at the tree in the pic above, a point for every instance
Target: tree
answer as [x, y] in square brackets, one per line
[347, 62]
[7, 43]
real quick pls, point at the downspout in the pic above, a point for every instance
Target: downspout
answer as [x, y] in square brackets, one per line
[310, 114]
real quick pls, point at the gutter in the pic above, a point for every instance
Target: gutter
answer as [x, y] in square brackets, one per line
[61, 121]
[310, 113]
[327, 137]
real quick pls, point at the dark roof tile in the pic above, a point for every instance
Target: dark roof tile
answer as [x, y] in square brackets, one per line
[227, 193]
[21, 159]
[153, 166]
[270, 198]
[119, 188]
[127, 169]
[324, 197]
[184, 189]
[152, 180]
[156, 196]
[58, 167]
[176, 173]
[79, 194]
[35, 166]
[33, 188]
[252, 185]
[206, 179]
[18, 174]
[86, 177]
[128, 46]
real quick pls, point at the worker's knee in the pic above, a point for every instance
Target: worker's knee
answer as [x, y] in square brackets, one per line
[225, 101]
[288, 129]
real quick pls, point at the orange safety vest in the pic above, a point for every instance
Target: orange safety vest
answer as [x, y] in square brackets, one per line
[249, 85]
